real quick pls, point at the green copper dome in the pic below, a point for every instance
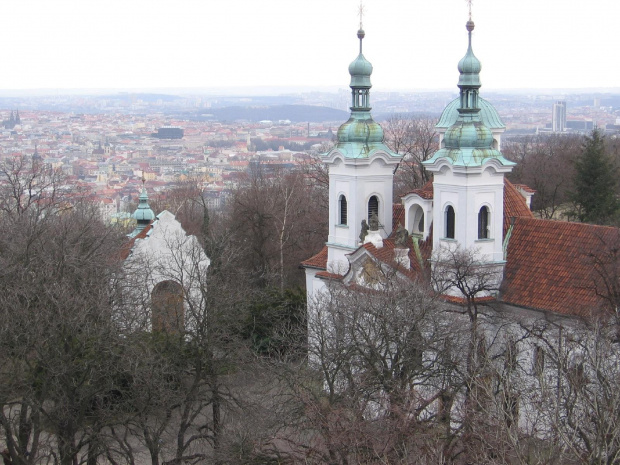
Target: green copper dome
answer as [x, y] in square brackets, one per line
[360, 136]
[488, 114]
[473, 134]
[143, 214]
[360, 69]
[468, 141]
[469, 66]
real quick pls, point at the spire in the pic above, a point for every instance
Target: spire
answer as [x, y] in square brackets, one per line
[469, 80]
[143, 214]
[35, 155]
[360, 134]
[360, 70]
[468, 142]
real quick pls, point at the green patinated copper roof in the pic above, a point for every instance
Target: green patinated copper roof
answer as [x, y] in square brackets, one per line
[468, 141]
[469, 67]
[360, 69]
[488, 115]
[360, 136]
[143, 213]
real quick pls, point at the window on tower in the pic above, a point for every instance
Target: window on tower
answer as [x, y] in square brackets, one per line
[449, 221]
[483, 223]
[343, 209]
[373, 207]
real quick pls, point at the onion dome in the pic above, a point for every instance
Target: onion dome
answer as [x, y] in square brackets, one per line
[468, 142]
[360, 69]
[360, 135]
[469, 66]
[488, 115]
[360, 128]
[472, 134]
[143, 214]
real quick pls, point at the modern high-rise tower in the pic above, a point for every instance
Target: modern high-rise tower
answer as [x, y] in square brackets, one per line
[558, 118]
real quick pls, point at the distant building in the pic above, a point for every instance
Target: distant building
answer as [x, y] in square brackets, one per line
[558, 118]
[580, 125]
[169, 132]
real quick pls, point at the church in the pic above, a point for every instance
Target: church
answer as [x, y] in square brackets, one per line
[549, 267]
[170, 267]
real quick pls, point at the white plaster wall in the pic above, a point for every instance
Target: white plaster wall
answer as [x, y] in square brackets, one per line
[168, 253]
[467, 194]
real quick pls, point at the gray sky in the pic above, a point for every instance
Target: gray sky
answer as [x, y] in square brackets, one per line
[413, 45]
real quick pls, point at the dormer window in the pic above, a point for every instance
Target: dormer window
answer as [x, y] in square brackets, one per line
[450, 222]
[342, 202]
[483, 223]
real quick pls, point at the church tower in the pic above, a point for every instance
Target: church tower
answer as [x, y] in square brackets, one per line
[361, 170]
[143, 214]
[469, 176]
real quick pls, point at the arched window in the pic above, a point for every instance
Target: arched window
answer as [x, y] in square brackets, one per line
[167, 307]
[416, 220]
[343, 209]
[483, 223]
[450, 219]
[373, 207]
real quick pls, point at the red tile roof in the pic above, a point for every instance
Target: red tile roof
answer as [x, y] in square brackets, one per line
[328, 275]
[126, 249]
[386, 255]
[525, 188]
[426, 191]
[514, 205]
[550, 265]
[398, 216]
[317, 261]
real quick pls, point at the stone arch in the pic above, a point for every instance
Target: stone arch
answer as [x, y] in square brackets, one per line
[415, 219]
[167, 310]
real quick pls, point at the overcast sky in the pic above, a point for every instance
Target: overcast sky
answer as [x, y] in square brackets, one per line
[412, 44]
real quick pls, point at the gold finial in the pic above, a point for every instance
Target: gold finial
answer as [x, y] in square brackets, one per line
[143, 179]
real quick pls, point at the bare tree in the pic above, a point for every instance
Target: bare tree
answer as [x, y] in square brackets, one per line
[381, 358]
[546, 164]
[581, 371]
[274, 219]
[417, 140]
[61, 346]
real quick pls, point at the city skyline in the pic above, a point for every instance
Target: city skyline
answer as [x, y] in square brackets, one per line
[69, 44]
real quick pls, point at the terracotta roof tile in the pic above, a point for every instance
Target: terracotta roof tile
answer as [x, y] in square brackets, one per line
[514, 205]
[386, 255]
[463, 301]
[328, 275]
[317, 261]
[426, 191]
[398, 216]
[126, 249]
[550, 265]
[525, 188]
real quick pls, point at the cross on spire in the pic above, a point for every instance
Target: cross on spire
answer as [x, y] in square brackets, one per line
[361, 13]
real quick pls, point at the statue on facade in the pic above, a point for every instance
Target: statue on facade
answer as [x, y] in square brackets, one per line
[364, 231]
[374, 222]
[401, 237]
